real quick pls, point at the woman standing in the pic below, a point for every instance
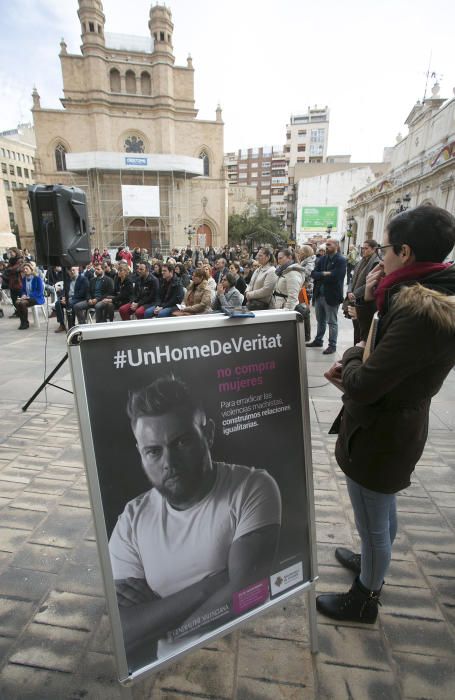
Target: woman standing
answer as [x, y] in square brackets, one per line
[383, 426]
[260, 290]
[96, 257]
[12, 275]
[291, 277]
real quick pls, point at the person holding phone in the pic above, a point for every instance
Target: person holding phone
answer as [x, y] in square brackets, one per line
[383, 426]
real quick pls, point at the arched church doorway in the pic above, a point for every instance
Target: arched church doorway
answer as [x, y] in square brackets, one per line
[204, 236]
[139, 235]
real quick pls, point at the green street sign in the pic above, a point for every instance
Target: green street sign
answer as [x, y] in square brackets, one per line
[318, 218]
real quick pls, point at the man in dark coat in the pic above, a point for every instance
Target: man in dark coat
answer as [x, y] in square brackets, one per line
[100, 286]
[388, 386]
[329, 272]
[356, 287]
[146, 293]
[171, 294]
[76, 289]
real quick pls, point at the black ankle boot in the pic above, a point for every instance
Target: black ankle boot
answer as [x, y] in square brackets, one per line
[348, 559]
[357, 605]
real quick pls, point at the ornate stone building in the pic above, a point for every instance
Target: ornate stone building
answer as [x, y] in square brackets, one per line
[422, 170]
[129, 118]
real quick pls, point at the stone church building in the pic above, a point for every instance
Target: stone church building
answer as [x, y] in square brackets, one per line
[129, 119]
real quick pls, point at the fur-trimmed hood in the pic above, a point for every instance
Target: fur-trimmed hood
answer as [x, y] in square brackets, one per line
[434, 298]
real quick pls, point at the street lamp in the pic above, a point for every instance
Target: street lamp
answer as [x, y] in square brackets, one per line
[403, 204]
[351, 221]
[190, 231]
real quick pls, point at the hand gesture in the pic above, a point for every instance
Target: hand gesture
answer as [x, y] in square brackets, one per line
[372, 281]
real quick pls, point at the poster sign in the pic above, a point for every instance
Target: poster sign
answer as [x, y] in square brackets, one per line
[318, 218]
[199, 472]
[141, 200]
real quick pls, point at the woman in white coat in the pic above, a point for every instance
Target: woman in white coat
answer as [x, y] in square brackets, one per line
[291, 277]
[259, 293]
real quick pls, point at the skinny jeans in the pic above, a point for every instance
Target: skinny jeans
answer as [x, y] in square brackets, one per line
[376, 521]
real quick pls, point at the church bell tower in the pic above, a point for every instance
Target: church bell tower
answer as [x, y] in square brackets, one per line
[92, 21]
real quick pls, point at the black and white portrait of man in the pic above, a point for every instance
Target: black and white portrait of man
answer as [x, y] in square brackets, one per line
[203, 531]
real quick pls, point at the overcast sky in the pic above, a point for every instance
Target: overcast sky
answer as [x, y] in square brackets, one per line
[261, 60]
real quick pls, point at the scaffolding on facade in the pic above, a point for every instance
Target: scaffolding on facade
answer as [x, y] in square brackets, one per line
[110, 228]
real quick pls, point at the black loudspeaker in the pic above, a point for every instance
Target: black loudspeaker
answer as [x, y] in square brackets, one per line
[60, 225]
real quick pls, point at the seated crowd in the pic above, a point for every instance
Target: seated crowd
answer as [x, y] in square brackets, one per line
[186, 283]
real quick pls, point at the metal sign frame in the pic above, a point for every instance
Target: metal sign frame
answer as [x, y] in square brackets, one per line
[81, 337]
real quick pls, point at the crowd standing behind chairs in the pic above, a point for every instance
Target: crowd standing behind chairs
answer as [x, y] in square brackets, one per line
[187, 282]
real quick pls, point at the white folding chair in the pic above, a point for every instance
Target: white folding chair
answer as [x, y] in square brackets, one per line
[35, 313]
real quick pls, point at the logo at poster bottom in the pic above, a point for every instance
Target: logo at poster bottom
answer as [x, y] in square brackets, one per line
[286, 578]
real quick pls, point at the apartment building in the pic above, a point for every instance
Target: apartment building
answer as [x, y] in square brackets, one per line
[264, 168]
[17, 158]
[307, 136]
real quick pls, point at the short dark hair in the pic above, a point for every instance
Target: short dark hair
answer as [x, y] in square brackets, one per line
[371, 242]
[428, 230]
[230, 277]
[162, 396]
[170, 267]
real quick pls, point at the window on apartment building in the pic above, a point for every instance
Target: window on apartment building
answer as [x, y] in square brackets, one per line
[301, 160]
[14, 185]
[301, 147]
[91, 26]
[243, 166]
[6, 185]
[60, 157]
[4, 168]
[26, 172]
[11, 169]
[11, 219]
[19, 171]
[317, 135]
[3, 153]
[288, 135]
[13, 154]
[32, 174]
[301, 132]
[287, 149]
[265, 173]
[242, 176]
[9, 201]
[316, 149]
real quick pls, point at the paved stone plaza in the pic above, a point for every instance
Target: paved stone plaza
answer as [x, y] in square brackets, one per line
[54, 631]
